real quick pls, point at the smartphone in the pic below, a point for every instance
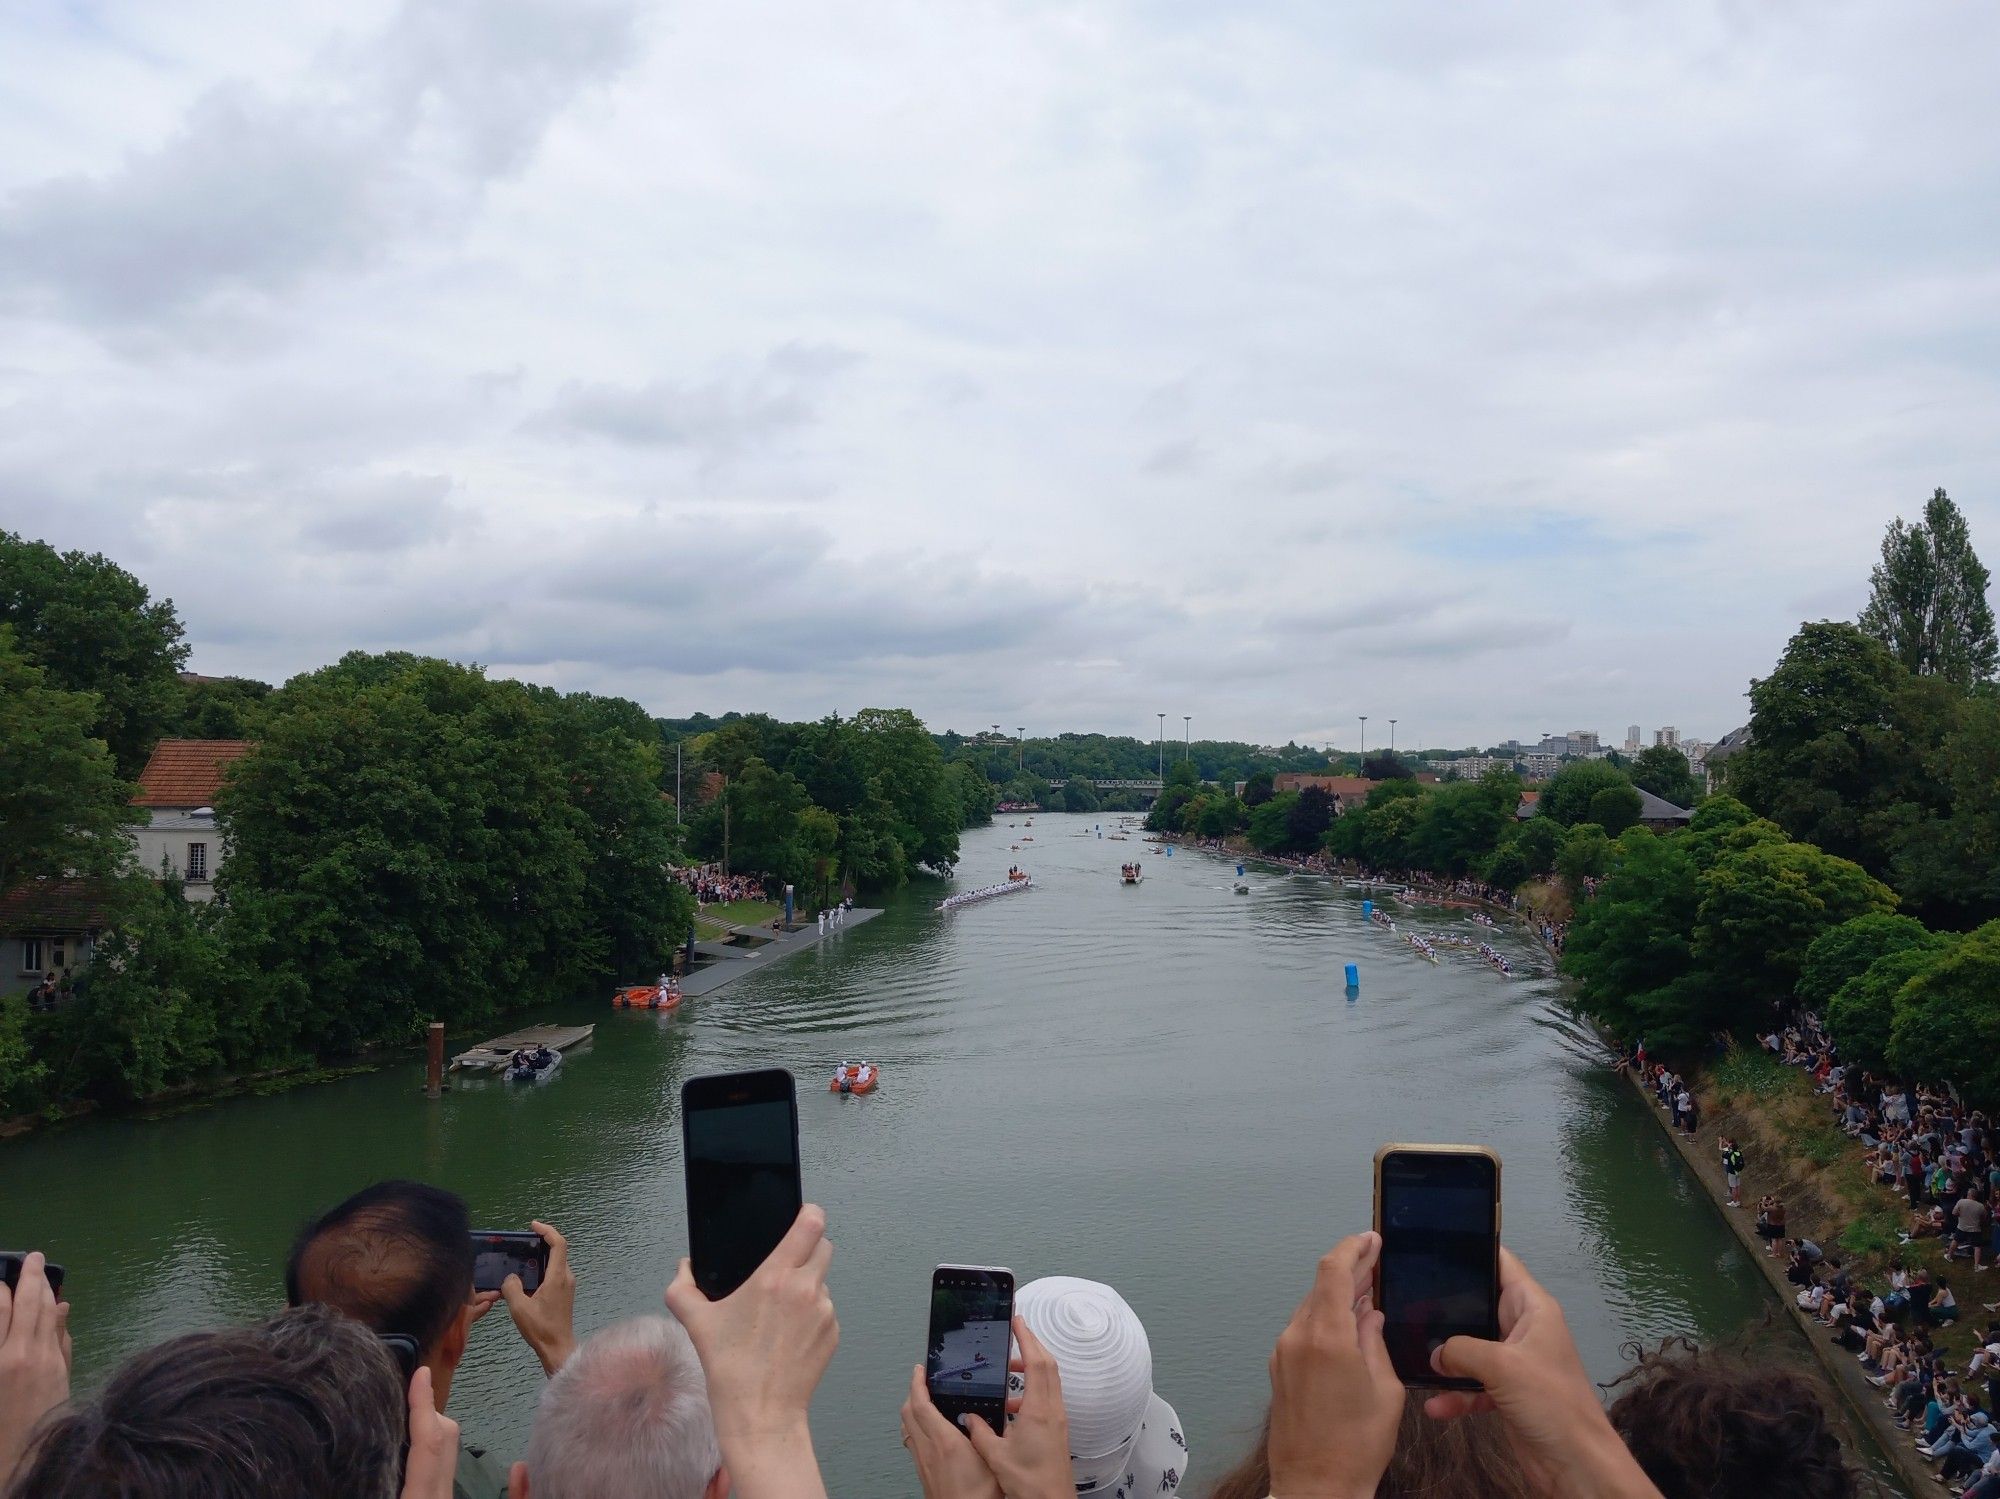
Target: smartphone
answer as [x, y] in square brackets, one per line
[740, 1149]
[499, 1253]
[10, 1271]
[972, 1329]
[1437, 1208]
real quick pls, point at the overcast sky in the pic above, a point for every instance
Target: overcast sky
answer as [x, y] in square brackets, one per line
[1498, 369]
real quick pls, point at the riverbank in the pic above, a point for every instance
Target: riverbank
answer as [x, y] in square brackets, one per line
[1741, 1099]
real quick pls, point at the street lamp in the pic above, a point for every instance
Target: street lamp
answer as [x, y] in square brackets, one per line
[1392, 738]
[1163, 747]
[1187, 734]
[1364, 739]
[1020, 751]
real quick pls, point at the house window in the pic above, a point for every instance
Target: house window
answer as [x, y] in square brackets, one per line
[197, 861]
[58, 952]
[31, 955]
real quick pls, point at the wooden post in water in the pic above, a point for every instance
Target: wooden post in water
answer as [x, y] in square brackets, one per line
[434, 1071]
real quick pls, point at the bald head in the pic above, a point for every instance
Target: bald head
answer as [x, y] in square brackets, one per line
[627, 1414]
[396, 1256]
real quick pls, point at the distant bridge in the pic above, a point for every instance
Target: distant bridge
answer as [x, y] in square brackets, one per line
[1150, 786]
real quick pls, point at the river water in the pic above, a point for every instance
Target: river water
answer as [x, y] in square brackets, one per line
[1160, 1086]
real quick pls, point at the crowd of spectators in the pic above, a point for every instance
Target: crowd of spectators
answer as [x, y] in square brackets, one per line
[345, 1393]
[712, 887]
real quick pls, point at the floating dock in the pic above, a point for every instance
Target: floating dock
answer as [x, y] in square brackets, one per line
[488, 1055]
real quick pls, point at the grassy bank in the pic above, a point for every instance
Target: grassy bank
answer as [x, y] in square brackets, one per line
[712, 921]
[1793, 1150]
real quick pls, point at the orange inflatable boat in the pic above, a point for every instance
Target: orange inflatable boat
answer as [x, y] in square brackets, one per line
[851, 1077]
[645, 997]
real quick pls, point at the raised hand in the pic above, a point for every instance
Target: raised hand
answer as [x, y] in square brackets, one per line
[34, 1358]
[547, 1319]
[433, 1457]
[1548, 1407]
[764, 1348]
[1335, 1399]
[1032, 1459]
[947, 1465]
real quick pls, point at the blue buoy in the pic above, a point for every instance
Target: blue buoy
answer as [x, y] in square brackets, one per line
[1170, 850]
[1353, 977]
[1367, 909]
[1353, 993]
[1239, 871]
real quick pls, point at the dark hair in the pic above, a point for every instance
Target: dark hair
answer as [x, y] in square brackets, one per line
[1707, 1425]
[307, 1405]
[396, 1256]
[1463, 1459]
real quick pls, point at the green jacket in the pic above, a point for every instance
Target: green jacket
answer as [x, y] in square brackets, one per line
[480, 1475]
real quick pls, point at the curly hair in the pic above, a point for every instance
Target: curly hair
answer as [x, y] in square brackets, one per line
[1709, 1425]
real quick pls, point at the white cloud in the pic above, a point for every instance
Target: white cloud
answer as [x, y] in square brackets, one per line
[1273, 362]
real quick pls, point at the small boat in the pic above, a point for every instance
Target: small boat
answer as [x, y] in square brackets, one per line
[1130, 874]
[1241, 888]
[1017, 874]
[855, 1077]
[1027, 837]
[647, 997]
[538, 1067]
[972, 897]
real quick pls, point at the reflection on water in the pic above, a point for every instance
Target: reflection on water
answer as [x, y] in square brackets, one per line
[1159, 1086]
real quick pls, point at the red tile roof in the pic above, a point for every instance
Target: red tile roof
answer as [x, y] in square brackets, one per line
[56, 906]
[1347, 788]
[187, 772]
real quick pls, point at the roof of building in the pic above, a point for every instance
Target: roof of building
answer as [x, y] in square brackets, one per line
[1347, 787]
[1658, 809]
[1729, 744]
[187, 772]
[1530, 804]
[47, 905]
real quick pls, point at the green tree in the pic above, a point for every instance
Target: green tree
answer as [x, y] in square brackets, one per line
[819, 844]
[1664, 771]
[976, 798]
[1257, 789]
[1762, 907]
[1839, 736]
[1927, 597]
[906, 767]
[1386, 767]
[94, 628]
[1584, 855]
[1537, 840]
[1079, 796]
[1566, 799]
[1271, 823]
[218, 708]
[1862, 1013]
[1947, 1020]
[403, 847]
[1631, 950]
[1459, 824]
[1846, 951]
[764, 806]
[1221, 816]
[1310, 816]
[1947, 863]
[1615, 808]
[63, 809]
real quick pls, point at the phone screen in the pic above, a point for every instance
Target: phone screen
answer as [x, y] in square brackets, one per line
[741, 1139]
[1439, 1277]
[495, 1256]
[972, 1323]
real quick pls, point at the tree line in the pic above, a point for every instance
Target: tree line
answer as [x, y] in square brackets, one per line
[408, 840]
[1854, 864]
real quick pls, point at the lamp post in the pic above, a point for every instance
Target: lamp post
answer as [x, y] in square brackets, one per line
[1363, 752]
[1163, 747]
[1392, 738]
[1187, 734]
[1020, 749]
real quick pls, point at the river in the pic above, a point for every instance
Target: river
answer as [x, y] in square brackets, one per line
[1160, 1086]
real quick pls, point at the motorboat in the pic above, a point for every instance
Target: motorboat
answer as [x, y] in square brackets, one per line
[537, 1066]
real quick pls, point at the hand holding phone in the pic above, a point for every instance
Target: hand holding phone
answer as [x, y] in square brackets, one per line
[499, 1253]
[10, 1271]
[740, 1152]
[971, 1335]
[1437, 1208]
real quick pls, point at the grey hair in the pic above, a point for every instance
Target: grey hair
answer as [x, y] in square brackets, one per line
[628, 1414]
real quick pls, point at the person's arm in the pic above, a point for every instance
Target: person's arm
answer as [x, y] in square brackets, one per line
[1535, 1379]
[764, 1348]
[34, 1358]
[546, 1320]
[1335, 1398]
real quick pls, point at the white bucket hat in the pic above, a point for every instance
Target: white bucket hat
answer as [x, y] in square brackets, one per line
[1124, 1440]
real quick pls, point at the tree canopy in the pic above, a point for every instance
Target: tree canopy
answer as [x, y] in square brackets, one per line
[92, 627]
[1927, 597]
[1664, 770]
